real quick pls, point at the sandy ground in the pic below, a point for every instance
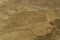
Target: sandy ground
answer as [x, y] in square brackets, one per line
[26, 19]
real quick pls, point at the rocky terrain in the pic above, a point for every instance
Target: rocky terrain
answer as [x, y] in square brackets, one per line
[29, 19]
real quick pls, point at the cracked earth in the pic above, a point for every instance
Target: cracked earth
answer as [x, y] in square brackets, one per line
[29, 20]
